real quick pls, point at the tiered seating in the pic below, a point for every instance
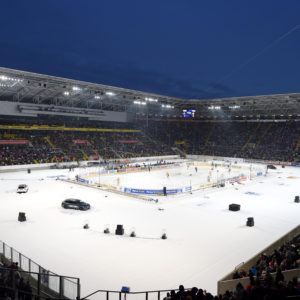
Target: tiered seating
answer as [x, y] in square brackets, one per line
[48, 145]
[269, 140]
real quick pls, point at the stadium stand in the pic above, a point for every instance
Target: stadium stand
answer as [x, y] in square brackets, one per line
[57, 138]
[268, 141]
[276, 141]
[47, 144]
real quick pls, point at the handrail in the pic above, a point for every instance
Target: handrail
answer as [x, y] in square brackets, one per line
[132, 293]
[37, 272]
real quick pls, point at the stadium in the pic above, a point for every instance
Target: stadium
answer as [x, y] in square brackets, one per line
[161, 175]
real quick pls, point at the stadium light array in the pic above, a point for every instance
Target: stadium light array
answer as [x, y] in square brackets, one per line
[139, 102]
[234, 107]
[6, 78]
[5, 85]
[167, 106]
[66, 93]
[97, 97]
[110, 93]
[76, 88]
[214, 107]
[151, 99]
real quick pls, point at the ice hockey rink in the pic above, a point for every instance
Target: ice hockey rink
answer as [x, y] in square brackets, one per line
[205, 241]
[180, 174]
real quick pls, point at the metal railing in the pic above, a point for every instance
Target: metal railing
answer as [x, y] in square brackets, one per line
[61, 286]
[119, 295]
[18, 284]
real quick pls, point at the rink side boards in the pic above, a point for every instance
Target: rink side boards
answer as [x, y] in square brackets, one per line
[87, 178]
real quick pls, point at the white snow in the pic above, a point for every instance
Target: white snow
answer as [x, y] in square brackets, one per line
[205, 240]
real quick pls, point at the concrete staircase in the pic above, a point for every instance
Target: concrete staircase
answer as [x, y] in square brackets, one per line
[208, 137]
[47, 138]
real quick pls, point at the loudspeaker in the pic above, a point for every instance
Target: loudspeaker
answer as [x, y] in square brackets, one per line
[119, 230]
[165, 191]
[21, 217]
[234, 207]
[297, 199]
[250, 222]
[28, 171]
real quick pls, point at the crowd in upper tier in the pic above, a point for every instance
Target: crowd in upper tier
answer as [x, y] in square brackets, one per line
[257, 140]
[278, 141]
[62, 145]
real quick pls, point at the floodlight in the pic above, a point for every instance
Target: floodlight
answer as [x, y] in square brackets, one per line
[139, 102]
[151, 99]
[110, 93]
[167, 106]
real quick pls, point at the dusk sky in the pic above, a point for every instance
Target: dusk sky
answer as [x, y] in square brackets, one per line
[184, 48]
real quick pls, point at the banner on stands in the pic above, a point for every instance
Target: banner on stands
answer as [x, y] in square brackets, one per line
[14, 142]
[129, 141]
[80, 141]
[152, 192]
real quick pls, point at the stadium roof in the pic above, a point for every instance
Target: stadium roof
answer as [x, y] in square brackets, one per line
[26, 87]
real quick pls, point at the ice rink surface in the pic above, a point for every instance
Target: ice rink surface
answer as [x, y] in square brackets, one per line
[205, 240]
[170, 177]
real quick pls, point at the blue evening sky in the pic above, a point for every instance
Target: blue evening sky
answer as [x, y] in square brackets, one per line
[183, 48]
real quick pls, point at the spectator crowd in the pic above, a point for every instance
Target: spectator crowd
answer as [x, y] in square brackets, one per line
[268, 141]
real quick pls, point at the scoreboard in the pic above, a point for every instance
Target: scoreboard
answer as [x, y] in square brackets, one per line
[188, 113]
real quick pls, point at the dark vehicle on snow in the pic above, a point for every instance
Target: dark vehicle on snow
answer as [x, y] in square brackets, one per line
[75, 204]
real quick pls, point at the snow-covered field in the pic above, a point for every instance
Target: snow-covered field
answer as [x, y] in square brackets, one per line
[205, 240]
